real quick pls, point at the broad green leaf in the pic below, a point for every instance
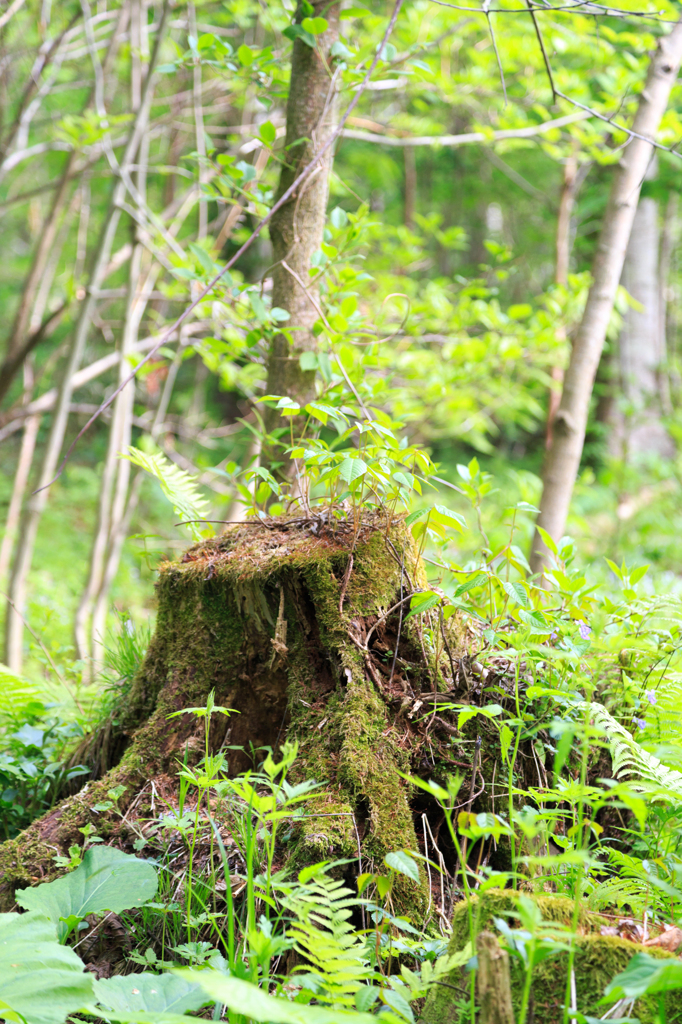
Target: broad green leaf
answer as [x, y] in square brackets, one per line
[445, 516]
[245, 55]
[475, 581]
[644, 975]
[422, 602]
[351, 470]
[253, 1002]
[268, 133]
[402, 863]
[157, 992]
[316, 26]
[517, 593]
[40, 979]
[106, 880]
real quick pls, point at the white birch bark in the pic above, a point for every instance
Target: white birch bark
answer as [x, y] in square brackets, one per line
[14, 627]
[563, 458]
[638, 428]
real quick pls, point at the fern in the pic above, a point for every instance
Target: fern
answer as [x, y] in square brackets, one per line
[16, 694]
[323, 933]
[178, 486]
[629, 759]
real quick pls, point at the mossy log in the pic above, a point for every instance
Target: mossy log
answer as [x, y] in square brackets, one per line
[275, 618]
[598, 959]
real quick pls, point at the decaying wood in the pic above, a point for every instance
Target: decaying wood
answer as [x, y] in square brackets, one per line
[493, 981]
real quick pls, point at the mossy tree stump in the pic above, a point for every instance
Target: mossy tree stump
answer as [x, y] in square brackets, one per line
[275, 618]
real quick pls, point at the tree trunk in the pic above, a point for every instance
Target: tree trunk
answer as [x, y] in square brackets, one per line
[563, 257]
[14, 627]
[255, 615]
[638, 428]
[297, 228]
[563, 459]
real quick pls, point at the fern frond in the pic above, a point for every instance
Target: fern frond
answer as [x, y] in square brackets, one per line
[324, 935]
[629, 759]
[15, 695]
[178, 486]
[619, 893]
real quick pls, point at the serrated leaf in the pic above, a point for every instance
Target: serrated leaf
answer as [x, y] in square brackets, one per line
[517, 593]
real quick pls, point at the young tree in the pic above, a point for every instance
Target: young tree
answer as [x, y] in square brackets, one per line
[563, 458]
[297, 227]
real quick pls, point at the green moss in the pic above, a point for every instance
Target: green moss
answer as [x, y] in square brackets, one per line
[218, 610]
[598, 960]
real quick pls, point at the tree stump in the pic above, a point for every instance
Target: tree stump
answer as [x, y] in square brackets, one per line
[493, 982]
[274, 618]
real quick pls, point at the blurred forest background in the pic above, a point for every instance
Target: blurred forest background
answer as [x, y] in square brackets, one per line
[476, 199]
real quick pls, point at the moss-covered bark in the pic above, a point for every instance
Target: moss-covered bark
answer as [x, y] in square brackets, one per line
[255, 615]
[599, 958]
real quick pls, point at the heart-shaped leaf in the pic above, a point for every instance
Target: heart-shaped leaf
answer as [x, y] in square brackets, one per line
[155, 992]
[106, 880]
[39, 979]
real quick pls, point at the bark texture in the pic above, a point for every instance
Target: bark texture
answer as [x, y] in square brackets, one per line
[493, 983]
[563, 458]
[297, 228]
[255, 615]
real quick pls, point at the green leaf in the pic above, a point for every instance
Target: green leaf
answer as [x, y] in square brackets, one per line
[475, 581]
[354, 12]
[422, 602]
[251, 1001]
[338, 217]
[204, 259]
[267, 133]
[106, 880]
[517, 593]
[644, 976]
[245, 56]
[398, 1003]
[155, 992]
[402, 863]
[549, 541]
[351, 470]
[295, 32]
[40, 979]
[316, 26]
[445, 516]
[414, 515]
[308, 360]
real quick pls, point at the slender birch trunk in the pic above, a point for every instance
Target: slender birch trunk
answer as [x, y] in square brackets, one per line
[24, 463]
[297, 228]
[563, 257]
[563, 458]
[14, 628]
[18, 345]
[638, 427]
[116, 472]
